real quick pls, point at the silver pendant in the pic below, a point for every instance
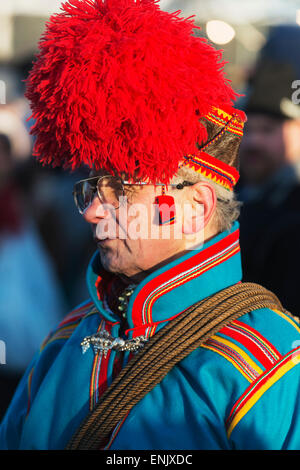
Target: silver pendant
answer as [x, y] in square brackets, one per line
[102, 342]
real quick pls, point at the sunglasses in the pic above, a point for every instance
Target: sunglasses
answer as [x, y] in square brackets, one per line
[110, 189]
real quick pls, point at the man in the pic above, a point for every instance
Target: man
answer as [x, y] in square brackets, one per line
[171, 351]
[270, 152]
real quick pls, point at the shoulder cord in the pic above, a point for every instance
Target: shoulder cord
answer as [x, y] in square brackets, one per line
[169, 346]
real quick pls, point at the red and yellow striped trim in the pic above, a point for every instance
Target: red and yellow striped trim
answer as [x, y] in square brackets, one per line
[150, 331]
[62, 333]
[178, 275]
[233, 127]
[254, 342]
[234, 354]
[256, 390]
[233, 122]
[78, 313]
[235, 341]
[186, 277]
[29, 382]
[210, 167]
[68, 325]
[115, 432]
[98, 382]
[64, 330]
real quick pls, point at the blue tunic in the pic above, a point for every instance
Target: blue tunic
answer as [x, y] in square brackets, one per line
[240, 390]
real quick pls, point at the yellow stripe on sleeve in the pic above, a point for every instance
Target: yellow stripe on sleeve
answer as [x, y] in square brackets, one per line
[249, 403]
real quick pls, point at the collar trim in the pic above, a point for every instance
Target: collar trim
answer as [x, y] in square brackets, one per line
[143, 302]
[174, 287]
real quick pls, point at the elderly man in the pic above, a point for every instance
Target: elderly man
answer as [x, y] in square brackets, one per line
[171, 351]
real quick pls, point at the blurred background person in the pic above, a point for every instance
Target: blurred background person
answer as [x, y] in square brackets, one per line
[270, 169]
[42, 273]
[49, 195]
[31, 301]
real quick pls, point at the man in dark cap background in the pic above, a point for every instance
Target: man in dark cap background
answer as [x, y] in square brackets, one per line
[270, 163]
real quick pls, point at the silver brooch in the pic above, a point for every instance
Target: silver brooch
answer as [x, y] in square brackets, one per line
[102, 342]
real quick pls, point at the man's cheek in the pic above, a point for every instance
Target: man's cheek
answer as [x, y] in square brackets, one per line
[138, 222]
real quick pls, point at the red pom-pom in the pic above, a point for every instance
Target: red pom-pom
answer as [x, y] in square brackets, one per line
[121, 85]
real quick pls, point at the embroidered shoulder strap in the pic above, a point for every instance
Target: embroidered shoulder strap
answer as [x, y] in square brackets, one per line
[169, 346]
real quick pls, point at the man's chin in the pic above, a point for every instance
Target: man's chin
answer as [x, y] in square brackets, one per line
[108, 245]
[112, 263]
[109, 259]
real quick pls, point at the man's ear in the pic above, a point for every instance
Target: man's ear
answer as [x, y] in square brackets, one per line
[199, 210]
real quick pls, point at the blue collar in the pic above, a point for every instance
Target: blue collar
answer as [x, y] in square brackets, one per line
[176, 286]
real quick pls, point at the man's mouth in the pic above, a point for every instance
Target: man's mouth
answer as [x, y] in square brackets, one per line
[101, 241]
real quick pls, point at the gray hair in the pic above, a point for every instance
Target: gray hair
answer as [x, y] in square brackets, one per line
[227, 208]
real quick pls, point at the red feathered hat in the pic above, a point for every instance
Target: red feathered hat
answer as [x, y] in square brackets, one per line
[122, 85]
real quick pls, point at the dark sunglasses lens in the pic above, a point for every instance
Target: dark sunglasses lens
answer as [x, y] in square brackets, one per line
[84, 192]
[110, 190]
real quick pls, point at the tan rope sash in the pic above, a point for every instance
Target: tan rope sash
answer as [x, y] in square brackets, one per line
[169, 346]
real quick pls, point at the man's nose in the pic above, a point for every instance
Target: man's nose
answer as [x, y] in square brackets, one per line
[95, 211]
